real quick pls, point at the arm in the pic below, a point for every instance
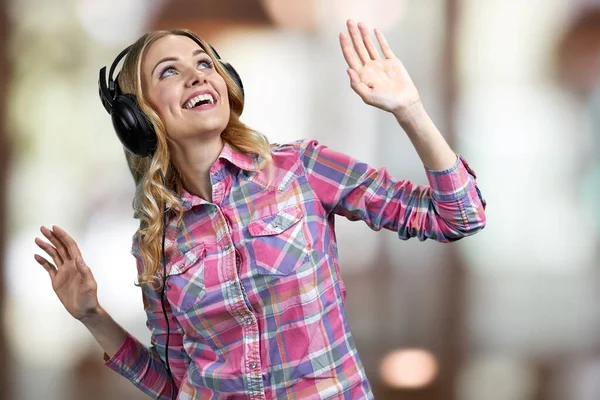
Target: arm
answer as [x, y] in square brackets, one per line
[432, 148]
[448, 209]
[76, 288]
[143, 366]
[109, 335]
[383, 82]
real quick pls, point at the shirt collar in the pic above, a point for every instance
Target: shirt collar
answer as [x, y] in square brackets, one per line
[245, 162]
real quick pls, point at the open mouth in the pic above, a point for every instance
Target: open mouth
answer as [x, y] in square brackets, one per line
[205, 99]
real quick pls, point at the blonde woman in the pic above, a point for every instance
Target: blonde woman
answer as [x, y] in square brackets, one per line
[236, 250]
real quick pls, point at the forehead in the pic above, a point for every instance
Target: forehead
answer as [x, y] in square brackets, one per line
[175, 46]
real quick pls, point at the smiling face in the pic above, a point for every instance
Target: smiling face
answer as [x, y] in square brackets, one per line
[180, 82]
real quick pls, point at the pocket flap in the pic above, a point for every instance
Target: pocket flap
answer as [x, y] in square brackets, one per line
[186, 260]
[276, 223]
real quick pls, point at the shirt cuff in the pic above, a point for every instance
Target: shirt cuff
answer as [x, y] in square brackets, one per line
[451, 184]
[120, 362]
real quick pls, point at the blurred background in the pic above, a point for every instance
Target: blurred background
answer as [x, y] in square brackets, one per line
[509, 314]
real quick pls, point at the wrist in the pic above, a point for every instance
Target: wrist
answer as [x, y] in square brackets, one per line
[94, 318]
[409, 114]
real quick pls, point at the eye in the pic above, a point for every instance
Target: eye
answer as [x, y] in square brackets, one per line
[167, 71]
[205, 64]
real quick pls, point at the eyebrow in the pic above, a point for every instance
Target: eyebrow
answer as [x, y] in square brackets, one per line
[195, 53]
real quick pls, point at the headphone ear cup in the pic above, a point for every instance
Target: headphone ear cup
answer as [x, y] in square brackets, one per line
[233, 73]
[134, 129]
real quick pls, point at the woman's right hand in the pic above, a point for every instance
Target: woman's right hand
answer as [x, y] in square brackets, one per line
[72, 279]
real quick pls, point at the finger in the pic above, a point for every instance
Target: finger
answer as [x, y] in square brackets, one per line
[359, 87]
[71, 245]
[348, 51]
[364, 31]
[385, 48]
[83, 269]
[47, 266]
[357, 41]
[60, 247]
[50, 250]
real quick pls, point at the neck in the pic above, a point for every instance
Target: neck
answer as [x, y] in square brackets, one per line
[194, 161]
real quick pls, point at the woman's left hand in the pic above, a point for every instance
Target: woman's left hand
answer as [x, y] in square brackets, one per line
[382, 82]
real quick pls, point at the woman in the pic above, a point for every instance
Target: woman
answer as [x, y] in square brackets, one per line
[253, 297]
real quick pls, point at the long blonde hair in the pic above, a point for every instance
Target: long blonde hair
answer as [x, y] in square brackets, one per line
[151, 195]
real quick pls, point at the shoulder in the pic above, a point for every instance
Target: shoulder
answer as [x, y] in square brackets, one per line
[286, 163]
[312, 154]
[297, 149]
[293, 155]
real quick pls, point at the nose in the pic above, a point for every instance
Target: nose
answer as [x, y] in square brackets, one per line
[195, 78]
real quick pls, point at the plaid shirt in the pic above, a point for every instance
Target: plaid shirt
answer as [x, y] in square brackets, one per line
[255, 297]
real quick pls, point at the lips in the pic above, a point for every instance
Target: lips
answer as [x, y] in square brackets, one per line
[203, 98]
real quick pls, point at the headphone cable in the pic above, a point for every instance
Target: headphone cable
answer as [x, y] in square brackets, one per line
[162, 296]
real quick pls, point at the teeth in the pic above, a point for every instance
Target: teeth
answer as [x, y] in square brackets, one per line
[201, 97]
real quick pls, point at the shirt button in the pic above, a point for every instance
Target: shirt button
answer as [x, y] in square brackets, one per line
[228, 246]
[253, 365]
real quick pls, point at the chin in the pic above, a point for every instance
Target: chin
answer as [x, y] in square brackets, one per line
[207, 130]
[211, 122]
[199, 125]
[213, 126]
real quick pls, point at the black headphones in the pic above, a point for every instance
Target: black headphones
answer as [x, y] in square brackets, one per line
[132, 126]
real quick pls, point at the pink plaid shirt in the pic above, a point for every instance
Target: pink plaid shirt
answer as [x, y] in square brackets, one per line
[255, 297]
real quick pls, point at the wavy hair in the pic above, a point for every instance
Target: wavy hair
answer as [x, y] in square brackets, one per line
[150, 194]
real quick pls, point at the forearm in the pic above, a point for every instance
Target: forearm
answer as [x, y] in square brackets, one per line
[130, 358]
[432, 148]
[106, 331]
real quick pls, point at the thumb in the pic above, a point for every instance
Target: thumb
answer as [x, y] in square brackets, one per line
[83, 269]
[355, 83]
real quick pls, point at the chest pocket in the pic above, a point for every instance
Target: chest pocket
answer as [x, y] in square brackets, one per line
[185, 283]
[278, 242]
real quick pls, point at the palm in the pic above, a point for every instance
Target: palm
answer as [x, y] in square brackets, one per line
[72, 282]
[72, 291]
[382, 82]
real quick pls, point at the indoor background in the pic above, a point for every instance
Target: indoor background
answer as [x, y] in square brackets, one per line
[509, 314]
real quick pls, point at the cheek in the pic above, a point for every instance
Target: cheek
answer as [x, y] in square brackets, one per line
[221, 87]
[164, 103]
[225, 97]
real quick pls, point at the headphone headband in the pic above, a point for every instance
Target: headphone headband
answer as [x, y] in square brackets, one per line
[107, 92]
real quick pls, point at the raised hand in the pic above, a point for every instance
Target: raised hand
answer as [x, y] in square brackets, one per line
[72, 280]
[382, 82]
